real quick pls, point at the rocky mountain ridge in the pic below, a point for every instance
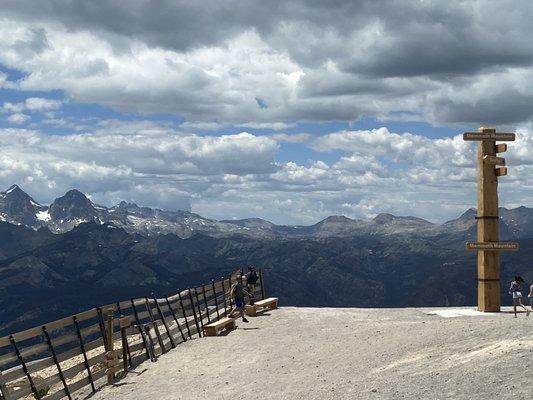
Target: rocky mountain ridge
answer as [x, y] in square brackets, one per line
[74, 208]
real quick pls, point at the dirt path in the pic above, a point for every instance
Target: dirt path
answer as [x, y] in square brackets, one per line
[327, 353]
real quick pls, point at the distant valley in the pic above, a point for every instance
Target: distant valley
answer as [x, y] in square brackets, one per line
[73, 254]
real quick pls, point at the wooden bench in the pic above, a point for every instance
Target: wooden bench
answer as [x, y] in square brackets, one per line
[214, 328]
[271, 303]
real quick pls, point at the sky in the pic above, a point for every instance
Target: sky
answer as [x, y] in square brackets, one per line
[285, 110]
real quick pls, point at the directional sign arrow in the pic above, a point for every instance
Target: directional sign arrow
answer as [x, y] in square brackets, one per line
[493, 160]
[501, 148]
[488, 246]
[502, 171]
[506, 137]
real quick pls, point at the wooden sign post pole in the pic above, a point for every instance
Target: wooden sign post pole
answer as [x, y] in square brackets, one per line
[488, 245]
[488, 262]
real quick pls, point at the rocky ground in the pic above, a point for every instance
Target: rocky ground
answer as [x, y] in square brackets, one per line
[332, 353]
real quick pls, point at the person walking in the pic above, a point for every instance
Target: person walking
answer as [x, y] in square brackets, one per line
[530, 295]
[514, 290]
[237, 293]
[251, 280]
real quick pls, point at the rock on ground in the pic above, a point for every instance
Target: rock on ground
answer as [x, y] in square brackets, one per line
[330, 353]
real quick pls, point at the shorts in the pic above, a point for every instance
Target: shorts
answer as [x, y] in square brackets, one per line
[239, 303]
[517, 295]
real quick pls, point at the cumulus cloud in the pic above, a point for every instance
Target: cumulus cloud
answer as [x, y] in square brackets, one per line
[106, 164]
[18, 118]
[303, 60]
[237, 175]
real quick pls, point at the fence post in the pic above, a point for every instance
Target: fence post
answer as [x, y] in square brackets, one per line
[24, 368]
[224, 298]
[102, 328]
[124, 323]
[110, 354]
[206, 305]
[154, 324]
[175, 319]
[172, 344]
[215, 294]
[184, 315]
[230, 301]
[82, 347]
[145, 345]
[199, 309]
[54, 357]
[194, 313]
[261, 277]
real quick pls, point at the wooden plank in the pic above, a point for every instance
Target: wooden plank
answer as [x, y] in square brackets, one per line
[4, 392]
[213, 328]
[267, 302]
[28, 334]
[86, 315]
[74, 387]
[33, 366]
[90, 330]
[66, 355]
[4, 341]
[125, 305]
[60, 323]
[138, 347]
[502, 171]
[22, 391]
[8, 358]
[501, 148]
[34, 350]
[59, 394]
[493, 160]
[80, 367]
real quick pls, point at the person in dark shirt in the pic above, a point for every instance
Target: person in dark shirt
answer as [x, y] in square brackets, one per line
[251, 280]
[237, 293]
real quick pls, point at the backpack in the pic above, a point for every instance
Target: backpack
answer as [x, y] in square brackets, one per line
[252, 278]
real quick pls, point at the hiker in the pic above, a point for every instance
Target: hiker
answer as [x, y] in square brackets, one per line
[251, 280]
[530, 295]
[237, 293]
[514, 290]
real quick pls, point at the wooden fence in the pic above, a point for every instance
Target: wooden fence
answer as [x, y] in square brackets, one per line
[68, 356]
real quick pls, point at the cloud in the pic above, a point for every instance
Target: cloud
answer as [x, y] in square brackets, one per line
[238, 176]
[291, 137]
[147, 166]
[279, 63]
[42, 104]
[18, 118]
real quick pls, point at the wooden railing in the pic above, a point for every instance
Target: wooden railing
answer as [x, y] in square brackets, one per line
[71, 355]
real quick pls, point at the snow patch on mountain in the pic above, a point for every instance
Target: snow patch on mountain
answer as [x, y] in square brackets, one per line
[43, 216]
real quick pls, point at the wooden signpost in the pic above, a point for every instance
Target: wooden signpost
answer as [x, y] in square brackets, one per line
[488, 245]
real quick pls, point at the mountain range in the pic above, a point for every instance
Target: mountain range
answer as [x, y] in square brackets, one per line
[71, 255]
[74, 208]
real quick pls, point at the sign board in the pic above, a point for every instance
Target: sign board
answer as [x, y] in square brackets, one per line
[502, 171]
[506, 137]
[488, 246]
[501, 148]
[493, 160]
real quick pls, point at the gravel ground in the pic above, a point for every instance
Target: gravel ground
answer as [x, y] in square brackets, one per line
[331, 353]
